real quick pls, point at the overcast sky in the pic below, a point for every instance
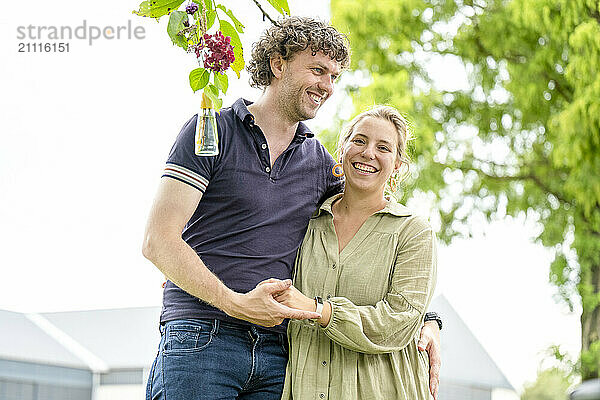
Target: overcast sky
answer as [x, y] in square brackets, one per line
[84, 138]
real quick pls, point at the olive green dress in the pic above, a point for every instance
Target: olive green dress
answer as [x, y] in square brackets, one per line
[380, 286]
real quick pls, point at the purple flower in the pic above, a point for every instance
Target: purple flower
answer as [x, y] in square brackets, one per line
[191, 8]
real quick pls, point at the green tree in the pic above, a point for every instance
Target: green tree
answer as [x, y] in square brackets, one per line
[520, 136]
[551, 384]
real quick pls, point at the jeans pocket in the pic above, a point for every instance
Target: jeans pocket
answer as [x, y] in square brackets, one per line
[187, 337]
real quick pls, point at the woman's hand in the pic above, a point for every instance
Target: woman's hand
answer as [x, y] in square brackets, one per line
[293, 298]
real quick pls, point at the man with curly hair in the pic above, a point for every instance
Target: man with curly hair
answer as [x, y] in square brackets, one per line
[220, 225]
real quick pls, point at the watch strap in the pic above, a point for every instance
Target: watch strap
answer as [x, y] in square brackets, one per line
[433, 316]
[319, 304]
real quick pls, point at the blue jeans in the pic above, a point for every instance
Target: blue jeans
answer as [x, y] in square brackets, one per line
[202, 359]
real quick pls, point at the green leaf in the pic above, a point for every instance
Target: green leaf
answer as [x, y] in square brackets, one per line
[157, 8]
[210, 18]
[281, 6]
[175, 26]
[238, 51]
[212, 93]
[238, 25]
[199, 78]
[222, 82]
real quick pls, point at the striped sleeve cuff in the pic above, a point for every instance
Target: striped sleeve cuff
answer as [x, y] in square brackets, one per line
[187, 176]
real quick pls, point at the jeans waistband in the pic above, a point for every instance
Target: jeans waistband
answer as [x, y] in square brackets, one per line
[216, 323]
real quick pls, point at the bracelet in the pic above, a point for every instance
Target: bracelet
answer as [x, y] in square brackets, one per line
[433, 316]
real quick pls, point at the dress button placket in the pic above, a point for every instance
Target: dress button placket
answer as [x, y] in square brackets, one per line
[330, 272]
[331, 279]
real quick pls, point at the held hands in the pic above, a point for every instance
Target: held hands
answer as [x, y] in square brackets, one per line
[260, 307]
[430, 341]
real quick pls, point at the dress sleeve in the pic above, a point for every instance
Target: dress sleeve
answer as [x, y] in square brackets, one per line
[395, 320]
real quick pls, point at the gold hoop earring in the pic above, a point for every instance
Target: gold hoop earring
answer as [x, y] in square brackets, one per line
[337, 170]
[393, 182]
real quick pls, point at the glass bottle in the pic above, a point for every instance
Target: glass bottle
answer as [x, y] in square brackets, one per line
[207, 139]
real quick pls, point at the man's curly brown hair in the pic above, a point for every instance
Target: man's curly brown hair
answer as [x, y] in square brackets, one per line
[290, 36]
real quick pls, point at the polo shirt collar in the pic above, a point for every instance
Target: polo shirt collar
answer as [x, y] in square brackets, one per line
[392, 207]
[240, 107]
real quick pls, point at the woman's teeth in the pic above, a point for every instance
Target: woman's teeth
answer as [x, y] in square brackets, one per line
[364, 168]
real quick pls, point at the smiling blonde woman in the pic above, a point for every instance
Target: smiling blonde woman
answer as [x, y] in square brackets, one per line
[372, 264]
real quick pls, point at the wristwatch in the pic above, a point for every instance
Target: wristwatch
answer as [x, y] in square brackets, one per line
[319, 304]
[433, 316]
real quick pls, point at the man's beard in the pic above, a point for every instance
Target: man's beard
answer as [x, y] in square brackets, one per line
[291, 102]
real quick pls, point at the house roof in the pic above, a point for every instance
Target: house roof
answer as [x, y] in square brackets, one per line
[121, 338]
[464, 360]
[21, 339]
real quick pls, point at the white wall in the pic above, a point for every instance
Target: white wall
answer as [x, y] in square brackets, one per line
[121, 392]
[504, 394]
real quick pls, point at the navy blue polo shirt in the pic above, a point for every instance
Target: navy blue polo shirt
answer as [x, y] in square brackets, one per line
[252, 216]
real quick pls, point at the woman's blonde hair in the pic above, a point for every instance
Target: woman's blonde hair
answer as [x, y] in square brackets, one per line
[386, 113]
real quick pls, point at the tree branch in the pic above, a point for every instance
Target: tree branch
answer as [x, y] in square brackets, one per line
[559, 87]
[545, 188]
[264, 13]
[495, 164]
[522, 177]
[596, 15]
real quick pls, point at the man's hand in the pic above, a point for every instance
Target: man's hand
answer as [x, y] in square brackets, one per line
[259, 306]
[430, 341]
